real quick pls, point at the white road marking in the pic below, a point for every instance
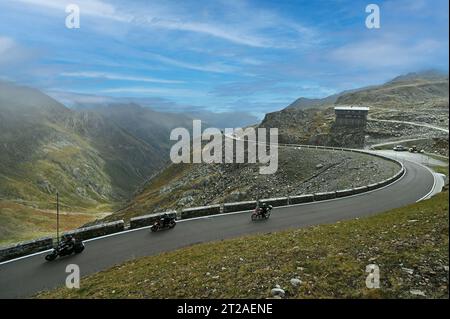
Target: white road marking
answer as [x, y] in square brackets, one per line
[428, 195]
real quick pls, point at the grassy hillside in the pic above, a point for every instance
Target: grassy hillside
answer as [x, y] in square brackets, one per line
[142, 122]
[60, 161]
[415, 90]
[19, 222]
[90, 159]
[409, 244]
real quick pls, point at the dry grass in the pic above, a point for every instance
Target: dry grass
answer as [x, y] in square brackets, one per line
[330, 260]
[19, 222]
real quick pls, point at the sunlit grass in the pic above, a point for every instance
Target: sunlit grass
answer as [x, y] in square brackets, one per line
[330, 260]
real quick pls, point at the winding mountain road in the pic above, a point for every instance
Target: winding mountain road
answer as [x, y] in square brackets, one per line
[26, 276]
[434, 127]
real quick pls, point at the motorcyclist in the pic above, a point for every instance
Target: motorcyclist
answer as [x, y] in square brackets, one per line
[263, 209]
[164, 220]
[68, 242]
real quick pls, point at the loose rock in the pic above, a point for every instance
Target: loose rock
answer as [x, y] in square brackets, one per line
[295, 282]
[278, 292]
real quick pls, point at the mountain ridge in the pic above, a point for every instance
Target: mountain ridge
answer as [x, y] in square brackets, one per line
[88, 155]
[346, 96]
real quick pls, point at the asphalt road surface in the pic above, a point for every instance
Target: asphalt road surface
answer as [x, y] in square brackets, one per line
[434, 127]
[414, 157]
[25, 277]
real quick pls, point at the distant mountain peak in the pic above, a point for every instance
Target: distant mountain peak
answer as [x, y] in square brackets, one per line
[426, 75]
[307, 103]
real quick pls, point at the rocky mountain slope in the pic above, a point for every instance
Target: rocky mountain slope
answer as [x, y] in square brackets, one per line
[304, 103]
[92, 158]
[300, 171]
[142, 122]
[427, 89]
[299, 126]
[415, 97]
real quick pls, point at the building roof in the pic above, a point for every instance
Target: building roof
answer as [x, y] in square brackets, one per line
[351, 108]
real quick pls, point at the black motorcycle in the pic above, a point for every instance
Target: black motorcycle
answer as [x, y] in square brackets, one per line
[63, 249]
[258, 213]
[163, 223]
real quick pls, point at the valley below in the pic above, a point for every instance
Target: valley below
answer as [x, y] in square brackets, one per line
[111, 162]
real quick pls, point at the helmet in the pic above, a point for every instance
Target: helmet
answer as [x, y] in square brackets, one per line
[67, 238]
[263, 204]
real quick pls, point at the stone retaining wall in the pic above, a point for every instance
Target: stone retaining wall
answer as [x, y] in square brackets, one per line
[200, 211]
[301, 199]
[359, 190]
[25, 248]
[344, 192]
[325, 195]
[239, 206]
[97, 230]
[275, 202]
[147, 220]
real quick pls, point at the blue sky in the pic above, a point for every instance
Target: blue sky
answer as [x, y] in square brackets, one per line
[216, 55]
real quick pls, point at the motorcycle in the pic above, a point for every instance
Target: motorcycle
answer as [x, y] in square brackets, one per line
[257, 214]
[62, 250]
[162, 223]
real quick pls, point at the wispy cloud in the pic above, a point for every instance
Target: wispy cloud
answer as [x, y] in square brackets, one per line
[168, 16]
[6, 44]
[247, 54]
[211, 67]
[96, 8]
[112, 76]
[73, 98]
[386, 52]
[12, 54]
[155, 91]
[212, 30]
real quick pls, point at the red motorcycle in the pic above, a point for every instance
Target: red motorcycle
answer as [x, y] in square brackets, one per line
[261, 213]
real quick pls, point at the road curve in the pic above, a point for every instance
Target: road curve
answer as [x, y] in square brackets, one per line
[434, 127]
[25, 277]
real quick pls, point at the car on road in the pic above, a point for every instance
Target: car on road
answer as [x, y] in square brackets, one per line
[399, 148]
